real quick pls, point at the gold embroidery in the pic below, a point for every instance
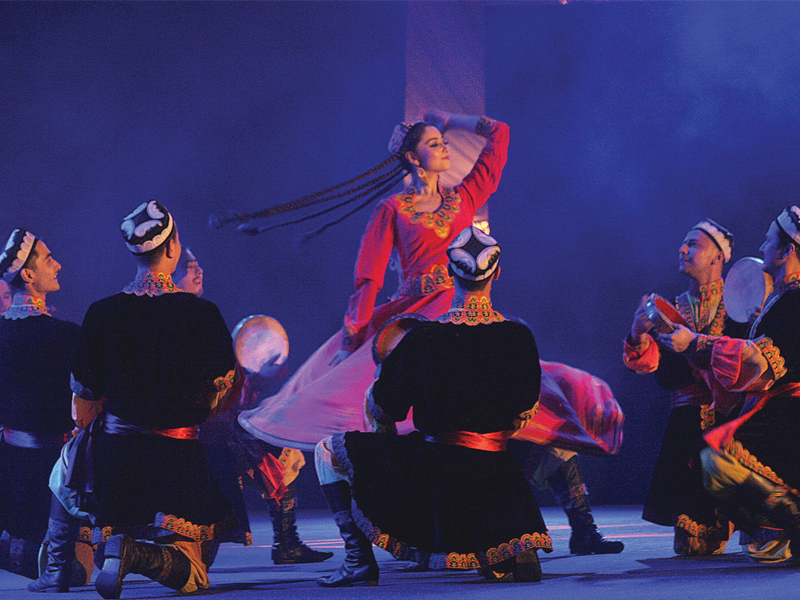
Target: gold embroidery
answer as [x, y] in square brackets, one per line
[24, 306]
[473, 310]
[438, 220]
[225, 382]
[435, 280]
[740, 454]
[698, 530]
[773, 356]
[151, 284]
[707, 417]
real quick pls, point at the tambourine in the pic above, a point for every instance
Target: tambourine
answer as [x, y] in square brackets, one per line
[662, 314]
[390, 334]
[746, 288]
[260, 344]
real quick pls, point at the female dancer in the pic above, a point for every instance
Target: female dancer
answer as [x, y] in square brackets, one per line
[326, 395]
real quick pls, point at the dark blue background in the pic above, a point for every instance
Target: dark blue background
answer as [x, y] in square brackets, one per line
[630, 122]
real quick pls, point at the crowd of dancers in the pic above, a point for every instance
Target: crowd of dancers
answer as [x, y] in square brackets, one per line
[124, 439]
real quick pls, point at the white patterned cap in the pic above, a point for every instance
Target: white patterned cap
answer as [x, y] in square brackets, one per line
[147, 227]
[399, 135]
[16, 252]
[789, 221]
[721, 237]
[473, 255]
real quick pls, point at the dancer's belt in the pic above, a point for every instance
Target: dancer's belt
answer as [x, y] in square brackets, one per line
[26, 439]
[119, 426]
[491, 442]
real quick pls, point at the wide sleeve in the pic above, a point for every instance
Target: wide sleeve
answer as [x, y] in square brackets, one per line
[742, 365]
[90, 368]
[221, 360]
[371, 262]
[394, 391]
[641, 358]
[482, 181]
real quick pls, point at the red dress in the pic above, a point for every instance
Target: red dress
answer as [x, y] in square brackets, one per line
[320, 400]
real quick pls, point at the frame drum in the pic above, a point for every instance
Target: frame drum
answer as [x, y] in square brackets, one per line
[746, 288]
[261, 344]
[662, 314]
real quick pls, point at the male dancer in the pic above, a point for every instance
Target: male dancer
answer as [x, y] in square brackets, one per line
[449, 495]
[5, 296]
[229, 446]
[676, 496]
[159, 360]
[752, 464]
[36, 353]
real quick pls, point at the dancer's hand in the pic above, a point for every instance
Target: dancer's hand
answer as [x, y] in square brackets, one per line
[339, 357]
[679, 340]
[641, 323]
[438, 118]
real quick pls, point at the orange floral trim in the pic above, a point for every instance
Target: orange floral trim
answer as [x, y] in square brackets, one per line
[453, 560]
[434, 280]
[23, 306]
[708, 417]
[740, 454]
[225, 382]
[709, 293]
[85, 534]
[151, 284]
[473, 310]
[773, 356]
[199, 533]
[438, 220]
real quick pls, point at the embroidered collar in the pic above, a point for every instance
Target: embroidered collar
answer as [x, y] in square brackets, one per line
[24, 306]
[792, 282]
[438, 220]
[151, 284]
[704, 310]
[472, 310]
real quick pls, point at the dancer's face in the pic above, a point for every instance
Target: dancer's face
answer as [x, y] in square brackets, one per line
[43, 273]
[697, 254]
[192, 282]
[432, 151]
[5, 296]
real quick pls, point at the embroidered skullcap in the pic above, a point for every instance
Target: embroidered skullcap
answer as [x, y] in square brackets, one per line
[16, 252]
[721, 237]
[399, 135]
[473, 255]
[789, 221]
[147, 227]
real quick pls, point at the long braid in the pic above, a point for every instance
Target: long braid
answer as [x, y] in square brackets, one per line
[311, 199]
[382, 184]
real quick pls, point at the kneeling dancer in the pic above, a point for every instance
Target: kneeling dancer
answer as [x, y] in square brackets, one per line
[158, 360]
[448, 495]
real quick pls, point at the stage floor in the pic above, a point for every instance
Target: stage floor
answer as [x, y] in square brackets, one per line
[646, 570]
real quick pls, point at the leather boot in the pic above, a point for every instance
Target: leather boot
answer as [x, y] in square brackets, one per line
[61, 568]
[166, 565]
[359, 564]
[570, 493]
[287, 549]
[758, 496]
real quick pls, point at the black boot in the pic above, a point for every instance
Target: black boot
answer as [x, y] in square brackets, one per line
[570, 492]
[61, 568]
[166, 565]
[287, 549]
[757, 498]
[359, 565]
